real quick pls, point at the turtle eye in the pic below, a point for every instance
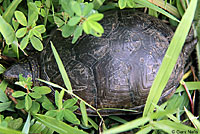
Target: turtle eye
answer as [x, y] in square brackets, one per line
[12, 73]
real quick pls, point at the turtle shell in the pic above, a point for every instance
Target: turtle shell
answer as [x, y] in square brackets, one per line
[117, 69]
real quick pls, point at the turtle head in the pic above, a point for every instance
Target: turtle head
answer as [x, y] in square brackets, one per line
[28, 68]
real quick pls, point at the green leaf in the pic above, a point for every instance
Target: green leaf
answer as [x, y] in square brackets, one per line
[70, 116]
[35, 95]
[76, 8]
[67, 30]
[42, 90]
[122, 3]
[3, 86]
[95, 17]
[21, 18]
[40, 28]
[56, 97]
[128, 126]
[70, 93]
[35, 107]
[60, 99]
[24, 82]
[48, 105]
[27, 124]
[4, 106]
[28, 102]
[5, 130]
[2, 68]
[15, 124]
[15, 24]
[193, 119]
[87, 9]
[66, 5]
[38, 3]
[30, 34]
[32, 13]
[73, 108]
[20, 104]
[98, 3]
[60, 115]
[86, 27]
[7, 31]
[37, 44]
[84, 113]
[8, 14]
[59, 22]
[69, 103]
[3, 96]
[37, 34]
[170, 59]
[18, 94]
[130, 4]
[77, 33]
[61, 69]
[74, 21]
[24, 42]
[43, 13]
[52, 113]
[21, 32]
[96, 26]
[58, 126]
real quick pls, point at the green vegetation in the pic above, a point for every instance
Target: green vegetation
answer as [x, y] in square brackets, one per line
[30, 110]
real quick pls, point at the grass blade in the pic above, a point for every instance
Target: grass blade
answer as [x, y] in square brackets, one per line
[7, 31]
[27, 124]
[4, 130]
[61, 69]
[156, 8]
[190, 86]
[162, 112]
[193, 119]
[172, 127]
[170, 58]
[168, 7]
[8, 14]
[117, 118]
[84, 113]
[58, 126]
[37, 128]
[128, 126]
[93, 123]
[145, 130]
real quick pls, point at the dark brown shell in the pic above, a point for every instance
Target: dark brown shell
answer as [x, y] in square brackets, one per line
[117, 69]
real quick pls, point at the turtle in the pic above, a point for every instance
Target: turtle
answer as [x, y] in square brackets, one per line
[115, 70]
